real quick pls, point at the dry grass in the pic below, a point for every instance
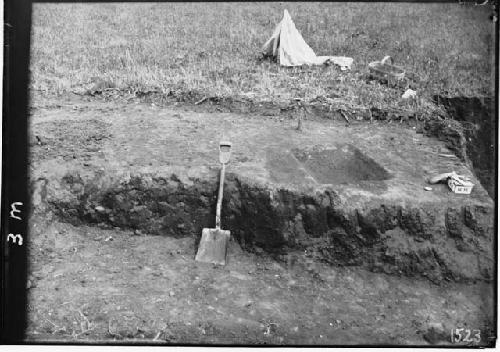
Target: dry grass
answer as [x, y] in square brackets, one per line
[213, 48]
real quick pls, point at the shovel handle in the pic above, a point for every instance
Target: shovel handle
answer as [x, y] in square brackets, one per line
[219, 198]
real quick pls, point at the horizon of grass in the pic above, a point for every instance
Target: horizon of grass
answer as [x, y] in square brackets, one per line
[213, 48]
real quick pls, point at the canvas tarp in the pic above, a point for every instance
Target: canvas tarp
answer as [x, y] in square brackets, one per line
[290, 48]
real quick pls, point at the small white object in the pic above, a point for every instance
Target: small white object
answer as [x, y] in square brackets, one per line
[100, 209]
[410, 93]
[428, 188]
[459, 184]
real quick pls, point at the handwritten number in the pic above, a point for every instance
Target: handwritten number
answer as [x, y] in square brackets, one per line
[15, 239]
[456, 335]
[477, 336]
[15, 210]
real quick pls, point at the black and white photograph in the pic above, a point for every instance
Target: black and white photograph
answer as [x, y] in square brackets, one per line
[259, 174]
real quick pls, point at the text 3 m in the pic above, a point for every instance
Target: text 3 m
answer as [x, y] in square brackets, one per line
[17, 238]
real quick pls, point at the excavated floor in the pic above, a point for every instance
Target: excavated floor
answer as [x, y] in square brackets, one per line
[333, 194]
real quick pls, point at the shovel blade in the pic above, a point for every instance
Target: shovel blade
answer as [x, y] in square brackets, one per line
[224, 152]
[213, 246]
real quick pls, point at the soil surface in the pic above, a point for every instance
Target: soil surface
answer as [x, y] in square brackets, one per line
[94, 285]
[334, 239]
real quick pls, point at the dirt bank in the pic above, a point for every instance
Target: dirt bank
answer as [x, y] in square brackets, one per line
[155, 170]
[452, 243]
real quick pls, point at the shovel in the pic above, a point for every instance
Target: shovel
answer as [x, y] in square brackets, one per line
[213, 244]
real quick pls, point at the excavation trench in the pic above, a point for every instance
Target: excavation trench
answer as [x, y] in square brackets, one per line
[478, 125]
[438, 243]
[346, 195]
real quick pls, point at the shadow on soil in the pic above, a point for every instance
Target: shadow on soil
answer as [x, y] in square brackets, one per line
[476, 117]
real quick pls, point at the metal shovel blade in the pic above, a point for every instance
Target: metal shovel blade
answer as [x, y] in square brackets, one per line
[213, 246]
[224, 152]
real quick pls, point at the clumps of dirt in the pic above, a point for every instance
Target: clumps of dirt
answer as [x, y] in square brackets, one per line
[451, 133]
[318, 107]
[154, 205]
[99, 86]
[410, 80]
[440, 243]
[198, 101]
[398, 240]
[68, 139]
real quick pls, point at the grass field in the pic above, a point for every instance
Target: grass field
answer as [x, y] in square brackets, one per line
[213, 48]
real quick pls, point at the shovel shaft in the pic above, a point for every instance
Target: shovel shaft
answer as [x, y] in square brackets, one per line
[219, 198]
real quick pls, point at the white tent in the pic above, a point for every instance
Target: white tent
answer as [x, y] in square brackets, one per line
[290, 48]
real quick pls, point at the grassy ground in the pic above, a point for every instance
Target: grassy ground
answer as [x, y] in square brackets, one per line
[213, 48]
